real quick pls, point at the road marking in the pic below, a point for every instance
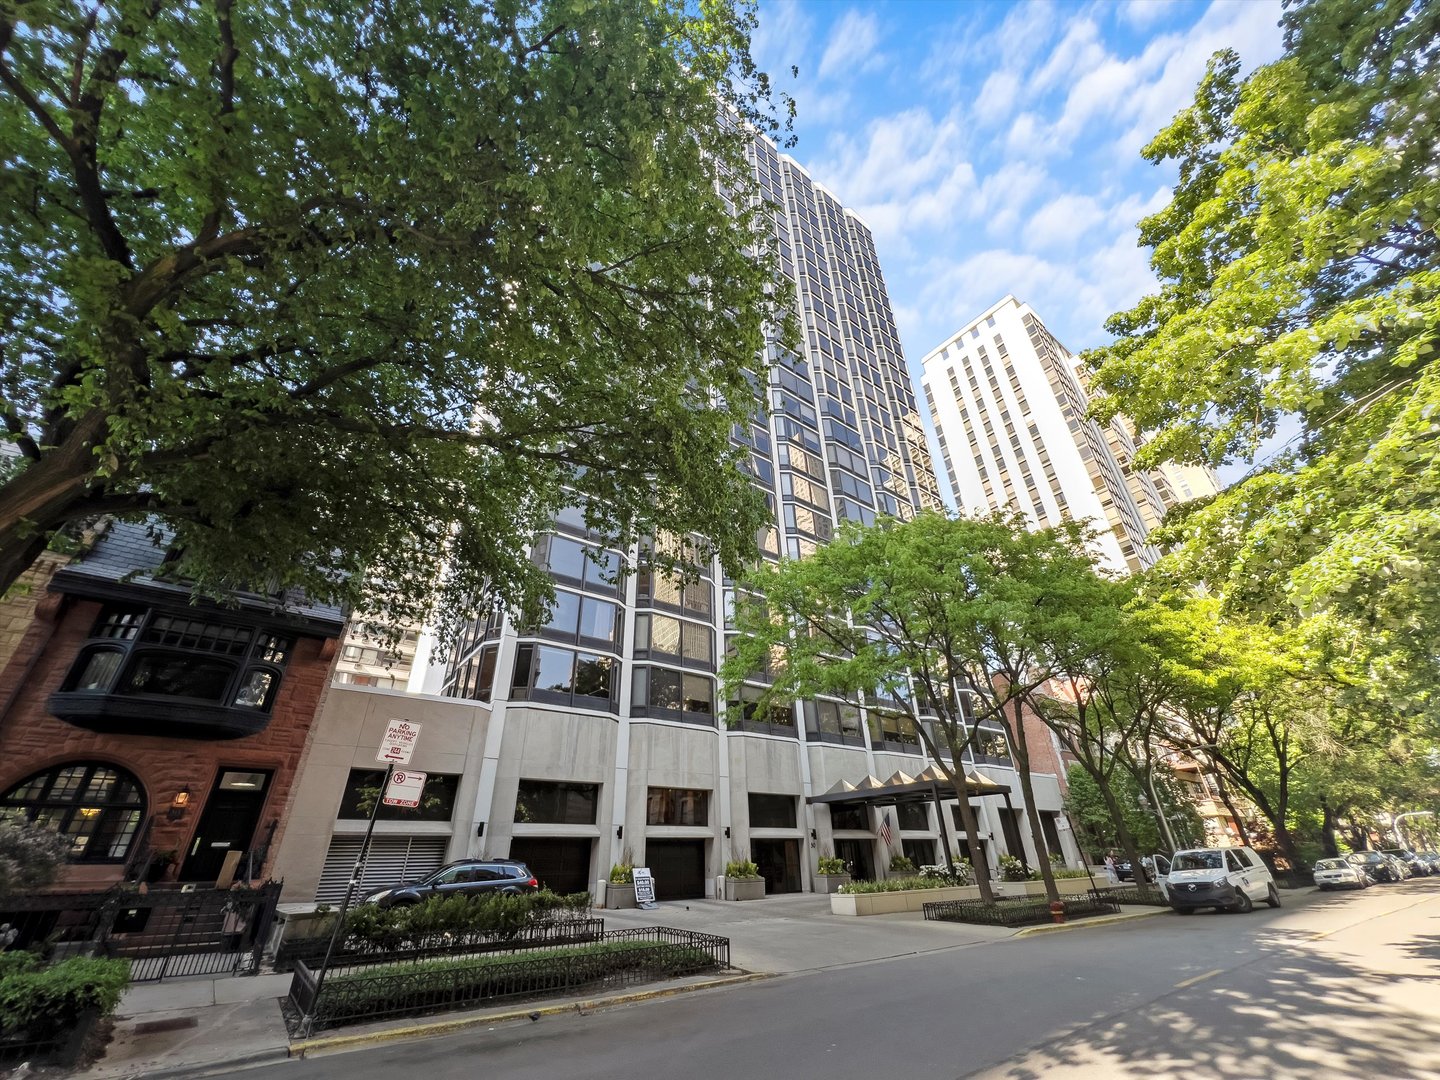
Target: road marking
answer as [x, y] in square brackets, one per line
[1199, 978]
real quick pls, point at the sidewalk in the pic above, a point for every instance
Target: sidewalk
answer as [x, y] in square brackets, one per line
[201, 1026]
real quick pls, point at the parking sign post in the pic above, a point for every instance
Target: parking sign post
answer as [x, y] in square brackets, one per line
[395, 749]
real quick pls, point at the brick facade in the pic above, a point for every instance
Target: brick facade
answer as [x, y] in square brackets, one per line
[32, 740]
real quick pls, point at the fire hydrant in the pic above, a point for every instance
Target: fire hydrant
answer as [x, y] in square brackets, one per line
[1057, 911]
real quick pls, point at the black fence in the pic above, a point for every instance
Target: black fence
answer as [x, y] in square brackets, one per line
[164, 933]
[353, 993]
[354, 950]
[1132, 894]
[1026, 912]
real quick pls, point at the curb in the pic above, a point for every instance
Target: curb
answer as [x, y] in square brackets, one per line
[205, 1068]
[1080, 924]
[330, 1043]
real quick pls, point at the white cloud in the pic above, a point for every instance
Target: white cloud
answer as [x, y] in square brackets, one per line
[781, 39]
[1143, 13]
[1063, 221]
[851, 45]
[1001, 90]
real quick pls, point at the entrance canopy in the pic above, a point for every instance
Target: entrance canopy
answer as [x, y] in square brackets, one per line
[904, 788]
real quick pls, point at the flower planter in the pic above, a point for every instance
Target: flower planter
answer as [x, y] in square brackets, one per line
[1036, 889]
[891, 903]
[744, 888]
[619, 896]
[830, 883]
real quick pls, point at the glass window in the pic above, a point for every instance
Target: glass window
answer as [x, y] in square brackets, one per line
[485, 673]
[551, 803]
[362, 788]
[677, 806]
[96, 669]
[565, 615]
[554, 669]
[97, 807]
[850, 816]
[599, 620]
[1232, 863]
[913, 816]
[255, 691]
[179, 675]
[593, 676]
[772, 811]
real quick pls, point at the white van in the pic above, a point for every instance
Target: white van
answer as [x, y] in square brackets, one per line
[1227, 879]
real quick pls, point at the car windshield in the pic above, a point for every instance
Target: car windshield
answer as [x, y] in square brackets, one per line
[1330, 864]
[1197, 860]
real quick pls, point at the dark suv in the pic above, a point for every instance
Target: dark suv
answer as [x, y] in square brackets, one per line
[469, 877]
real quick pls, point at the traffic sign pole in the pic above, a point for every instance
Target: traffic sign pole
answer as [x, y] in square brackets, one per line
[345, 905]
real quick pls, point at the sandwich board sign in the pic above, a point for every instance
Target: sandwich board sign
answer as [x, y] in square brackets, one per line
[399, 742]
[644, 886]
[404, 789]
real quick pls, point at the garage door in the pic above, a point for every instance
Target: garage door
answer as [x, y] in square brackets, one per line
[679, 868]
[392, 859]
[562, 866]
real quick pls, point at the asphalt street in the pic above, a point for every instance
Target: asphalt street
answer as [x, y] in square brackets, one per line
[1330, 985]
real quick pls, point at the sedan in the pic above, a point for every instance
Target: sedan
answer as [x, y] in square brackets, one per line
[1340, 874]
[1418, 867]
[468, 878]
[1379, 867]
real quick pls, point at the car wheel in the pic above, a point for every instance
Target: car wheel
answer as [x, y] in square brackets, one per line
[1323, 888]
[1242, 903]
[1273, 896]
[1184, 911]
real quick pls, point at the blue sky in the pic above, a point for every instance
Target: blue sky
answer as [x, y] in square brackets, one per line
[994, 147]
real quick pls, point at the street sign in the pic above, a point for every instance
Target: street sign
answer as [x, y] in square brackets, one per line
[404, 789]
[399, 742]
[644, 885]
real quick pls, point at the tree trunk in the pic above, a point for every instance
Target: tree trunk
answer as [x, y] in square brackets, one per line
[1327, 831]
[1234, 813]
[972, 836]
[1122, 830]
[1037, 832]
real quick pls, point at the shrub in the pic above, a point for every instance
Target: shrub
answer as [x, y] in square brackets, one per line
[1060, 872]
[902, 864]
[622, 874]
[829, 864]
[432, 922]
[1012, 869]
[742, 870]
[963, 874]
[894, 884]
[30, 856]
[34, 997]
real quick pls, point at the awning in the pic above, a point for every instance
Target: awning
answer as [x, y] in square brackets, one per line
[901, 787]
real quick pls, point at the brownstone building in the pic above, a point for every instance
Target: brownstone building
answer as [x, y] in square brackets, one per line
[157, 732]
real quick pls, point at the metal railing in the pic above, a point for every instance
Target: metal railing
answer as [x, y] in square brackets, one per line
[164, 933]
[354, 993]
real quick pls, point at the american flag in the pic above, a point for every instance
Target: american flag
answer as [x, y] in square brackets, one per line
[885, 833]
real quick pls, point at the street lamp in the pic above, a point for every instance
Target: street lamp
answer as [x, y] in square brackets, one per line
[1395, 823]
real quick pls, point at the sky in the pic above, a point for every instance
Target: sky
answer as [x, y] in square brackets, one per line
[994, 147]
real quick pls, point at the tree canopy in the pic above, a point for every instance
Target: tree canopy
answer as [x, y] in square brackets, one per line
[331, 290]
[1299, 269]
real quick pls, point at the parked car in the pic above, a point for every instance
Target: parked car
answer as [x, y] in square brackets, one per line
[1433, 858]
[1377, 866]
[466, 878]
[1125, 872]
[1400, 865]
[1418, 867]
[1227, 879]
[1340, 874]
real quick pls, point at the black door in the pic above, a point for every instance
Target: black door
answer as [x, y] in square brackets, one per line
[857, 856]
[227, 823]
[563, 866]
[779, 862]
[678, 867]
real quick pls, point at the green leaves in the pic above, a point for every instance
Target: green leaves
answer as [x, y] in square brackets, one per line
[337, 293]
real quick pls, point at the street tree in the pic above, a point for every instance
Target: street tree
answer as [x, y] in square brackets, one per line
[352, 298]
[972, 613]
[1299, 270]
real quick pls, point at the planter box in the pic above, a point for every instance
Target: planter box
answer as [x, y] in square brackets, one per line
[830, 883]
[619, 896]
[1065, 886]
[891, 903]
[745, 888]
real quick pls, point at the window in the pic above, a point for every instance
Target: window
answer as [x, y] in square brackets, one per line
[919, 852]
[990, 746]
[772, 811]
[833, 721]
[674, 695]
[913, 816]
[585, 618]
[776, 720]
[362, 788]
[677, 806]
[654, 589]
[853, 816]
[172, 675]
[546, 802]
[97, 807]
[1049, 825]
[546, 673]
[1233, 863]
[665, 636]
[573, 562]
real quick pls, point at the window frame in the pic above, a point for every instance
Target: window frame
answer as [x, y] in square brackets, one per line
[63, 811]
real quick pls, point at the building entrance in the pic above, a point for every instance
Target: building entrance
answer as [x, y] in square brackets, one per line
[779, 863]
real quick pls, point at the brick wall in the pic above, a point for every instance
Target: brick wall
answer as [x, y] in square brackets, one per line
[17, 609]
[31, 739]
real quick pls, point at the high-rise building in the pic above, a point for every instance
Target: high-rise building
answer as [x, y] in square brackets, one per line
[1009, 407]
[598, 737]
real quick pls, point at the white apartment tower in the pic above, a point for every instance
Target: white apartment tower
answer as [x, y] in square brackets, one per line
[1009, 408]
[599, 737]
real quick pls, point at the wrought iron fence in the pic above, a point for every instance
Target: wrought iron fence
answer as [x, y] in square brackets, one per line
[1027, 912]
[1132, 894]
[357, 950]
[164, 933]
[353, 993]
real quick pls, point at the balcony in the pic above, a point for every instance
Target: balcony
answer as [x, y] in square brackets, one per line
[164, 717]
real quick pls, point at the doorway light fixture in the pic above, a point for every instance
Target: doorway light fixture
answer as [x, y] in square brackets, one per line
[178, 804]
